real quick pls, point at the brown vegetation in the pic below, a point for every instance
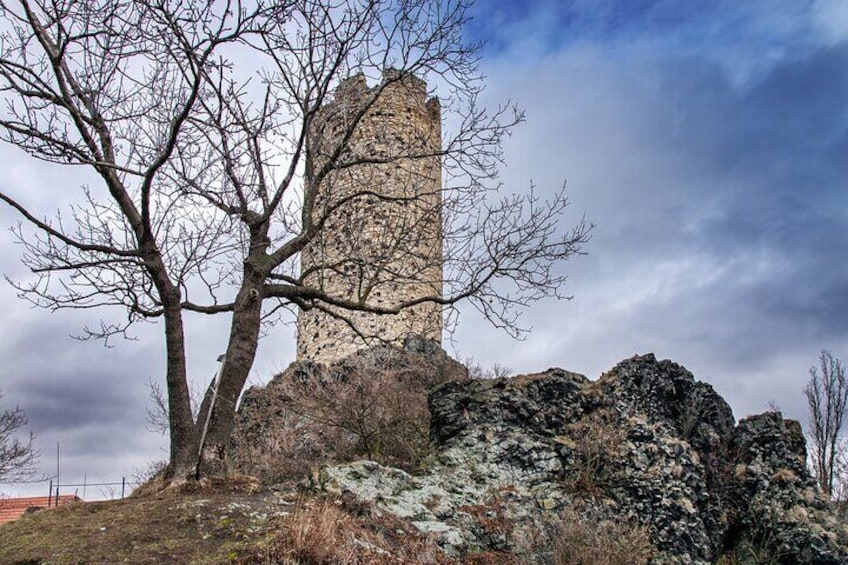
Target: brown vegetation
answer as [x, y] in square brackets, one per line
[322, 532]
[597, 440]
[589, 537]
[373, 405]
[213, 524]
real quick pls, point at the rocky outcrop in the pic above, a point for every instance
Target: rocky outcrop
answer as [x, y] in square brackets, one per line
[774, 500]
[670, 466]
[645, 445]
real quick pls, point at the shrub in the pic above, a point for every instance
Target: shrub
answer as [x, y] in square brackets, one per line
[380, 416]
[755, 540]
[747, 553]
[597, 440]
[588, 537]
[322, 532]
[371, 405]
[478, 372]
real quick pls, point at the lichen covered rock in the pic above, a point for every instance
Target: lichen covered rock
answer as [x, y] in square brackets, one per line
[776, 504]
[645, 447]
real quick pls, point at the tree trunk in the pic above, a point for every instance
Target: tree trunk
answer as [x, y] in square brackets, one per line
[241, 351]
[183, 452]
[181, 425]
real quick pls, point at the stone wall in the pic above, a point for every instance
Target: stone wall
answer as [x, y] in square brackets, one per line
[382, 243]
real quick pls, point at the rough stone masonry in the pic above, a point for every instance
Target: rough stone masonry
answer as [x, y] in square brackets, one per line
[381, 244]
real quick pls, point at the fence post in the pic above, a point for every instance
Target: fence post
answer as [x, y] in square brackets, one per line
[50, 493]
[123, 486]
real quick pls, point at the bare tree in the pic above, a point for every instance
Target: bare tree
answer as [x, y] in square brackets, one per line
[194, 118]
[17, 456]
[478, 371]
[827, 400]
[157, 409]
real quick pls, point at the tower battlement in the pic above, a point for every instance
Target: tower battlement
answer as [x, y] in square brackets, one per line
[381, 244]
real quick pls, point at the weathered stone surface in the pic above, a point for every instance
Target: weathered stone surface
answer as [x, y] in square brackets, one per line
[538, 404]
[776, 502]
[646, 444]
[689, 422]
[665, 392]
[381, 204]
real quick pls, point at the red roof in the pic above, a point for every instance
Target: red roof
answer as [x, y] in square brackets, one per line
[14, 508]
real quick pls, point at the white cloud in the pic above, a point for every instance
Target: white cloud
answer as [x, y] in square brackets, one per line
[831, 19]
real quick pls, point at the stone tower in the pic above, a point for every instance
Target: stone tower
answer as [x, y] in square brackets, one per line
[383, 244]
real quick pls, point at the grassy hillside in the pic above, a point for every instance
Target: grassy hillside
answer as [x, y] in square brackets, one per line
[210, 525]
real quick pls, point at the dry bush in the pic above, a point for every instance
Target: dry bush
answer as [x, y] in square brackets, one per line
[323, 533]
[754, 540]
[763, 550]
[492, 523]
[597, 440]
[371, 405]
[377, 414]
[18, 456]
[150, 478]
[588, 537]
[288, 446]
[476, 371]
[318, 534]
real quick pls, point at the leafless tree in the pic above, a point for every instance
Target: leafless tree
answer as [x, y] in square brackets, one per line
[194, 117]
[478, 371]
[157, 409]
[17, 456]
[827, 400]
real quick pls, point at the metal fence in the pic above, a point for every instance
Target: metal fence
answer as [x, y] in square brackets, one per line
[54, 488]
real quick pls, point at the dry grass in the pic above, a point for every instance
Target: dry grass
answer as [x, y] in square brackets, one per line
[588, 538]
[372, 405]
[323, 532]
[747, 553]
[188, 528]
[320, 533]
[208, 525]
[597, 441]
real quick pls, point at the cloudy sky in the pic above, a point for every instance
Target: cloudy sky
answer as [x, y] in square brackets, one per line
[707, 140]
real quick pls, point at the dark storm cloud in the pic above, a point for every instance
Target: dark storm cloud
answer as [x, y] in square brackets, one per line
[66, 385]
[89, 399]
[711, 153]
[784, 187]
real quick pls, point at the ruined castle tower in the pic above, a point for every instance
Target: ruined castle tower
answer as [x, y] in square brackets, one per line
[382, 242]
